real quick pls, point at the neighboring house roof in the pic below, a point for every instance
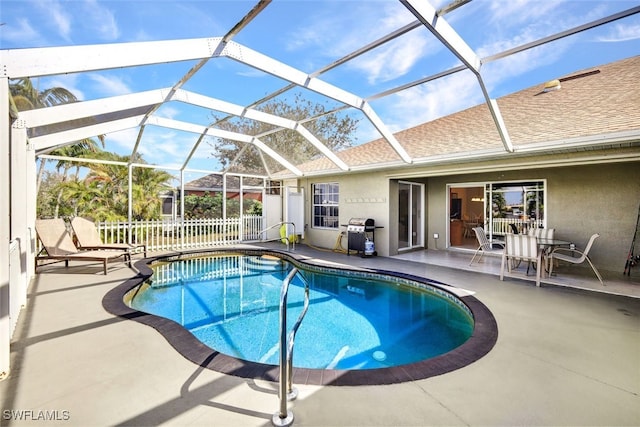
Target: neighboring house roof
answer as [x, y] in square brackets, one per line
[592, 107]
[213, 182]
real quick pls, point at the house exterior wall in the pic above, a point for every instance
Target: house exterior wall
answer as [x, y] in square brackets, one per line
[362, 195]
[581, 200]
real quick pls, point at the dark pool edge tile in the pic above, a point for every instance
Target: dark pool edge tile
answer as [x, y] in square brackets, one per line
[482, 340]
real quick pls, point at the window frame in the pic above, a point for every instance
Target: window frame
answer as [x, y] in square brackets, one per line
[325, 205]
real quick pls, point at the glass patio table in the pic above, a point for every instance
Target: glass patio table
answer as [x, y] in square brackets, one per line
[548, 245]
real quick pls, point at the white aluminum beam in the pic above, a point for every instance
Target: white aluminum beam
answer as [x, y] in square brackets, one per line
[260, 116]
[53, 140]
[220, 133]
[323, 148]
[46, 61]
[444, 32]
[271, 66]
[441, 29]
[77, 110]
[377, 122]
[277, 157]
[230, 108]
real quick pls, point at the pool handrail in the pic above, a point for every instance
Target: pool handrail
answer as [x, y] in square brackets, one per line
[284, 417]
[280, 224]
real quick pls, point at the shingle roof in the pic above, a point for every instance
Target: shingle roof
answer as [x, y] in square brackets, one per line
[595, 101]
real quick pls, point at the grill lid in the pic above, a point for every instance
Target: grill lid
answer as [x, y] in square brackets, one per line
[366, 222]
[360, 225]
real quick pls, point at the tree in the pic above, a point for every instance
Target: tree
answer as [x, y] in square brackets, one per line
[334, 130]
[103, 194]
[81, 149]
[24, 96]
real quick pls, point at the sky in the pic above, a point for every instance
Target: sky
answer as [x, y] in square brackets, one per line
[309, 35]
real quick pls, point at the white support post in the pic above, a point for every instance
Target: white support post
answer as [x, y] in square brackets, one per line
[130, 201]
[19, 219]
[182, 194]
[5, 218]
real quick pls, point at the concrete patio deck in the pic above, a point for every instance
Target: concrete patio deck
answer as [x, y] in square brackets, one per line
[564, 356]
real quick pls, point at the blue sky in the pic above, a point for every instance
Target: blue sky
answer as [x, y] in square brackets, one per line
[311, 34]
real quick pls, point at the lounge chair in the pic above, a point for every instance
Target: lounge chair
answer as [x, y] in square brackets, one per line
[59, 245]
[89, 238]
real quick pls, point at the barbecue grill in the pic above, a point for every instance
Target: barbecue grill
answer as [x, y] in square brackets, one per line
[358, 231]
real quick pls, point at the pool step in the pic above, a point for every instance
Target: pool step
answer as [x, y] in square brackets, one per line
[264, 263]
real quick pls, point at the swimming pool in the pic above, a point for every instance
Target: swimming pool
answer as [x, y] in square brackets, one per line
[389, 326]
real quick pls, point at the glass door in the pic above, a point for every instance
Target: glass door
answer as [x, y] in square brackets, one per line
[410, 227]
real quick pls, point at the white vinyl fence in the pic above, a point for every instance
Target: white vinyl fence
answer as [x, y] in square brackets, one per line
[166, 235]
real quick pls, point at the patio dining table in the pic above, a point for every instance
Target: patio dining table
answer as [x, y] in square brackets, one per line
[548, 245]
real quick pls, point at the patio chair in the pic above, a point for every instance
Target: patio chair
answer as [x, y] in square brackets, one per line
[88, 238]
[572, 258]
[546, 234]
[521, 247]
[484, 244]
[59, 245]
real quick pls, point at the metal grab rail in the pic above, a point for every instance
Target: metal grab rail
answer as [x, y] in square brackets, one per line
[280, 224]
[284, 417]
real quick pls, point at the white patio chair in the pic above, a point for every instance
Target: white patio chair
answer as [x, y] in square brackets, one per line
[581, 256]
[546, 234]
[484, 244]
[521, 247]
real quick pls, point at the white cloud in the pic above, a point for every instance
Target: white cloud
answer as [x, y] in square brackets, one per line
[67, 81]
[57, 14]
[124, 141]
[332, 35]
[19, 30]
[392, 60]
[100, 20]
[108, 85]
[622, 32]
[435, 99]
[168, 112]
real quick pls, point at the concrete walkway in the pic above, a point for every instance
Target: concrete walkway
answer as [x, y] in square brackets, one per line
[563, 357]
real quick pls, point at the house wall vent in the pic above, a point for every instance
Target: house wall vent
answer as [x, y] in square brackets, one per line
[552, 85]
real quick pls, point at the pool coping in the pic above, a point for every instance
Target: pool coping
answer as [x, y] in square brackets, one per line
[482, 340]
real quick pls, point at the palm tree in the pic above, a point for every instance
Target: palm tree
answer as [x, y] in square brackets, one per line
[103, 194]
[24, 96]
[81, 149]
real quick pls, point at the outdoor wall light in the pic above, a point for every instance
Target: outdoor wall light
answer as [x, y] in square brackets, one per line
[436, 236]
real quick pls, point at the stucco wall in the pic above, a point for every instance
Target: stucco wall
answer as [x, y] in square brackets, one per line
[581, 200]
[361, 196]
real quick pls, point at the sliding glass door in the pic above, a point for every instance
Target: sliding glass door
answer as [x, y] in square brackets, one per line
[498, 207]
[410, 221]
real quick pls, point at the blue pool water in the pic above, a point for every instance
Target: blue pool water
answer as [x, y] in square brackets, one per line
[231, 304]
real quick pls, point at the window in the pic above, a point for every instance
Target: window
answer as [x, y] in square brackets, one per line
[325, 205]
